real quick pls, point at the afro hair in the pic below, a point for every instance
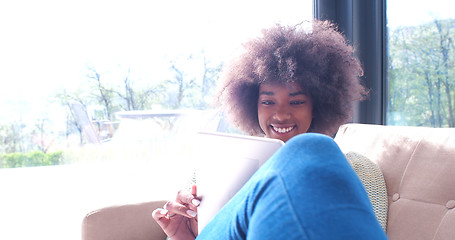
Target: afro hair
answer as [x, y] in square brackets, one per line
[319, 59]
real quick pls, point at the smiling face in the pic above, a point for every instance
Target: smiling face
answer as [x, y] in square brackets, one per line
[284, 111]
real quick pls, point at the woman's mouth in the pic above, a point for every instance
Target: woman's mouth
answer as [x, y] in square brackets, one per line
[282, 130]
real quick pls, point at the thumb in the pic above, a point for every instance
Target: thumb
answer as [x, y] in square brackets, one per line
[159, 215]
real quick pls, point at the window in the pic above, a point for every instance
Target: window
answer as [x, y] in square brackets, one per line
[421, 69]
[109, 56]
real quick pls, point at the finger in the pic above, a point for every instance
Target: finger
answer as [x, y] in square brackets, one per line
[180, 209]
[160, 216]
[188, 198]
[194, 190]
[196, 201]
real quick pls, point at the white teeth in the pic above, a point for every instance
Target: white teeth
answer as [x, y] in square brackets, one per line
[282, 130]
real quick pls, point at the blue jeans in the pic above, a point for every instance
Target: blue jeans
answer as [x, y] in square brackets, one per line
[307, 190]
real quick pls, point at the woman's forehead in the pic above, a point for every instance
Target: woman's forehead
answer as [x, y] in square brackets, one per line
[290, 86]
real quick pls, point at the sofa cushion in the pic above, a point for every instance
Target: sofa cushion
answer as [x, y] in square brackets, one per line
[418, 164]
[372, 179]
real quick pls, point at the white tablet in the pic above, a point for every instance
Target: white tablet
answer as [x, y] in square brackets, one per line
[224, 162]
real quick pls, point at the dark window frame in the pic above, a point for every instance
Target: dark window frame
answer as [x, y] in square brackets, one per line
[364, 24]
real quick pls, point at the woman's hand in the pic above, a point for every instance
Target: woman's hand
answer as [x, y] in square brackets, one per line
[178, 218]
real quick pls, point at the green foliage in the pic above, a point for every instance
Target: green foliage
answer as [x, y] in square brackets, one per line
[30, 159]
[11, 137]
[422, 75]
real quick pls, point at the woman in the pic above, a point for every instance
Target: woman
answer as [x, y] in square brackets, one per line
[287, 83]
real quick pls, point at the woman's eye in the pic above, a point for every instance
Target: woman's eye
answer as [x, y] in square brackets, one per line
[297, 102]
[267, 102]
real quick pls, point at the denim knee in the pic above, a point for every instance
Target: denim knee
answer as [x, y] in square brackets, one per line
[312, 142]
[308, 149]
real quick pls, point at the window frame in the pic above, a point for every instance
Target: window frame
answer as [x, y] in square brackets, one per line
[364, 25]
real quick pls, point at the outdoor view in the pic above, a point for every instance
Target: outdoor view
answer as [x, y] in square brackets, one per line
[111, 57]
[421, 67]
[138, 56]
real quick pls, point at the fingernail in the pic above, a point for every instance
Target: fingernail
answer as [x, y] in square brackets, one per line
[164, 211]
[191, 213]
[196, 202]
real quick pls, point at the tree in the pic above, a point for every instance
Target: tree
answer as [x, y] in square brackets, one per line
[445, 45]
[104, 94]
[183, 85]
[194, 80]
[42, 139]
[421, 74]
[11, 138]
[137, 98]
[210, 78]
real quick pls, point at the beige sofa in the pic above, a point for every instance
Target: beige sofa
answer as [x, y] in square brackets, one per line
[418, 164]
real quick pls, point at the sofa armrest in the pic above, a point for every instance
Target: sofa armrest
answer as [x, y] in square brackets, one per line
[132, 222]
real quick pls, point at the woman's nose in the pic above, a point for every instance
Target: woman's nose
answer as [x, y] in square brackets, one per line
[282, 114]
